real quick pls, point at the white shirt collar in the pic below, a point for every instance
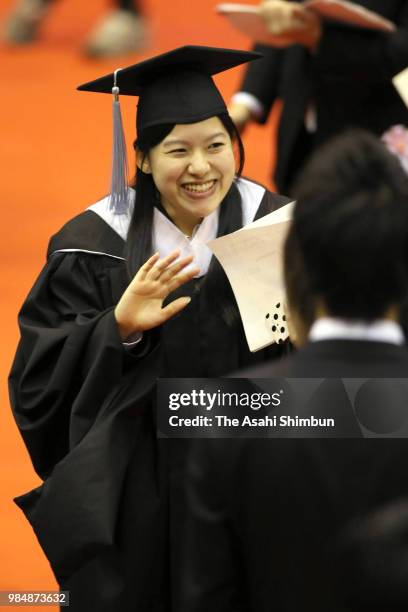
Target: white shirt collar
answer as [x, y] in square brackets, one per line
[167, 237]
[381, 330]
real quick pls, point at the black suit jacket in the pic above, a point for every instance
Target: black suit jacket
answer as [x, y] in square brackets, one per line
[349, 80]
[266, 513]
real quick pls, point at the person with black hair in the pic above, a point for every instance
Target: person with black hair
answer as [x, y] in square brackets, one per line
[100, 326]
[270, 507]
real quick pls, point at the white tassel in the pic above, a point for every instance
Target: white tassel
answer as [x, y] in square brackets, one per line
[118, 201]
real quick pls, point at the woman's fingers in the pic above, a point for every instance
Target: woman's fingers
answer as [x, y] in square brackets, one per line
[174, 308]
[171, 271]
[141, 274]
[154, 265]
[165, 272]
[180, 279]
[155, 272]
[164, 269]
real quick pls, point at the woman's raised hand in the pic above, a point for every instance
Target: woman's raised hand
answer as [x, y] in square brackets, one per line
[141, 306]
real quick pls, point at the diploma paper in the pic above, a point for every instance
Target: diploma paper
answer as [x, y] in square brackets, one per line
[252, 260]
[401, 84]
[246, 18]
[350, 13]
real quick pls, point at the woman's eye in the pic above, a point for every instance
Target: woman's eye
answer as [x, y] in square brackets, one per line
[177, 151]
[216, 145]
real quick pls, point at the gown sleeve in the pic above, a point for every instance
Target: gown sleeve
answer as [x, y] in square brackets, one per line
[81, 401]
[69, 356]
[262, 78]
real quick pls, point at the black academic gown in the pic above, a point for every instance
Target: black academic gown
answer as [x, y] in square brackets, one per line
[83, 404]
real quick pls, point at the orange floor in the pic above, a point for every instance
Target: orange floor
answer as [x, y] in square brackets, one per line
[54, 161]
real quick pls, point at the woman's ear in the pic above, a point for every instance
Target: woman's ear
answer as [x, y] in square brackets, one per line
[142, 162]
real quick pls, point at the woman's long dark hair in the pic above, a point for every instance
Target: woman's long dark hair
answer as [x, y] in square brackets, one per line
[139, 245]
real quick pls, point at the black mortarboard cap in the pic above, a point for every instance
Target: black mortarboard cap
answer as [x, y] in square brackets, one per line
[174, 87]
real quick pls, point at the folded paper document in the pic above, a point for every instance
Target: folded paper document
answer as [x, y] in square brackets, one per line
[252, 260]
[246, 18]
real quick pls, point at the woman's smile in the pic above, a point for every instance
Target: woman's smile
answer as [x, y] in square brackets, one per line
[198, 191]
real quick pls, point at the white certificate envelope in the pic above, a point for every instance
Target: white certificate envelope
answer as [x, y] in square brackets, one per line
[252, 260]
[246, 18]
[401, 84]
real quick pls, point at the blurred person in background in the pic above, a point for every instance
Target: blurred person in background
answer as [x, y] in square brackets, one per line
[121, 31]
[330, 77]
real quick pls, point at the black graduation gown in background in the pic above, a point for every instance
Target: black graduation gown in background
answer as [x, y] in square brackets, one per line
[83, 404]
[348, 79]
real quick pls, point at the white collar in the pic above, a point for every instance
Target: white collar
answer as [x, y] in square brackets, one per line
[167, 237]
[118, 222]
[381, 330]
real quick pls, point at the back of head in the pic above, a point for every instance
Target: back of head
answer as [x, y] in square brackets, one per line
[350, 228]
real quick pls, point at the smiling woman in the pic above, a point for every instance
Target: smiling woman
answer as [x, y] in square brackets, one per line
[193, 169]
[98, 328]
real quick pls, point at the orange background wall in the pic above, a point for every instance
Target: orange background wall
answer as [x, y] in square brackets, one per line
[55, 161]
